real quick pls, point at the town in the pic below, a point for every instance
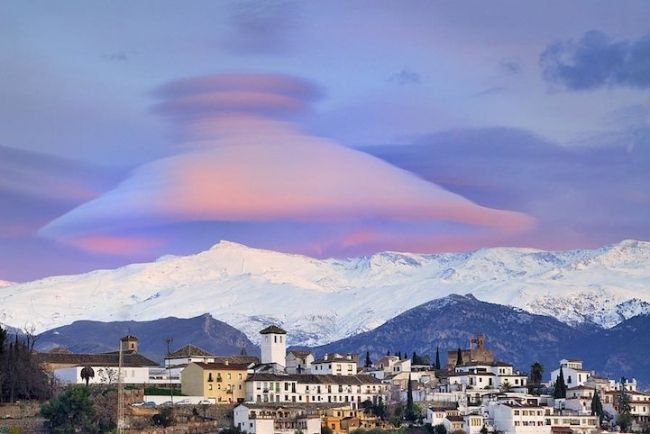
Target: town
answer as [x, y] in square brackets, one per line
[291, 391]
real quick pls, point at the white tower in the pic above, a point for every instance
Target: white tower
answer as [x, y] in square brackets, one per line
[274, 345]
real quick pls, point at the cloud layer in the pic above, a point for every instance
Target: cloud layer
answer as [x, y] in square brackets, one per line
[597, 60]
[245, 165]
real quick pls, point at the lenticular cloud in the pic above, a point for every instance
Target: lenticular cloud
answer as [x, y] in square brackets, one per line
[244, 161]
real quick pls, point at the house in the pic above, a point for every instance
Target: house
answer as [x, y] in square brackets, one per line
[518, 418]
[336, 364]
[349, 390]
[437, 414]
[299, 362]
[255, 418]
[223, 382]
[67, 366]
[574, 374]
[389, 366]
[482, 375]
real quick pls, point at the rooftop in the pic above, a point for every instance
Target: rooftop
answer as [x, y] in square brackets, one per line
[130, 360]
[188, 350]
[273, 329]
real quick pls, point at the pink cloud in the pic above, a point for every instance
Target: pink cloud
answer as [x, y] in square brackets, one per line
[254, 169]
[114, 245]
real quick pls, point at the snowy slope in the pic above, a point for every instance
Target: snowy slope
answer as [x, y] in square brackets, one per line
[320, 301]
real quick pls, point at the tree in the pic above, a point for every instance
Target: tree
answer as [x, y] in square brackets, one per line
[536, 376]
[324, 429]
[87, 372]
[414, 359]
[484, 430]
[368, 363]
[439, 429]
[21, 376]
[70, 412]
[559, 391]
[437, 365]
[624, 419]
[505, 387]
[459, 357]
[410, 413]
[597, 407]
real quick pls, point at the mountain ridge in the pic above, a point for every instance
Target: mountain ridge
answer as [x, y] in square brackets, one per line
[324, 300]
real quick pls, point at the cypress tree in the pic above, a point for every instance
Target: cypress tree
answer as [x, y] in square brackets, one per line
[437, 366]
[597, 407]
[368, 361]
[459, 357]
[414, 359]
[559, 391]
[410, 407]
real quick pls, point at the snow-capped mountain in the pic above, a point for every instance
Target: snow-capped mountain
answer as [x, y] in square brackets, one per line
[319, 301]
[4, 283]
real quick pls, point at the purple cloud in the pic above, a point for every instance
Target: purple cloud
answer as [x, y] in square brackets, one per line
[597, 60]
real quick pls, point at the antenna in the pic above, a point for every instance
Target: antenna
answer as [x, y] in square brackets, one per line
[120, 394]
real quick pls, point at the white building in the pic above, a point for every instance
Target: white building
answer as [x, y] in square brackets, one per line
[350, 390]
[299, 362]
[479, 375]
[336, 364]
[275, 419]
[274, 345]
[515, 418]
[574, 374]
[104, 374]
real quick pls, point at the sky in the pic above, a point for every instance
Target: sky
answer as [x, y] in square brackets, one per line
[131, 130]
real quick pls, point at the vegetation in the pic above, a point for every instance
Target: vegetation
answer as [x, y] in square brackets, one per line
[20, 375]
[87, 372]
[559, 391]
[437, 364]
[459, 357]
[82, 409]
[536, 376]
[624, 419]
[325, 430]
[152, 390]
[164, 417]
[505, 387]
[368, 363]
[410, 413]
[597, 407]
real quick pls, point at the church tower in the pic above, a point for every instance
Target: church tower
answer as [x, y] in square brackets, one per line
[274, 345]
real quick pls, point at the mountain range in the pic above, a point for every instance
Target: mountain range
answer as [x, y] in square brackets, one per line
[203, 331]
[324, 300]
[448, 323]
[515, 336]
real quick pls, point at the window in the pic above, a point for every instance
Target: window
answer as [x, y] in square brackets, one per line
[275, 339]
[209, 386]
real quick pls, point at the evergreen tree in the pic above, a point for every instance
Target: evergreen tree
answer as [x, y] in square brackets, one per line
[399, 355]
[597, 407]
[414, 359]
[624, 419]
[459, 357]
[437, 366]
[388, 353]
[72, 411]
[559, 391]
[410, 412]
[368, 363]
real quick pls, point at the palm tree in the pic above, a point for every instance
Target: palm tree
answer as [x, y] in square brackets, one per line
[87, 373]
[536, 375]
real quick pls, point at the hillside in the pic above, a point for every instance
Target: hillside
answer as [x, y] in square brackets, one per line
[515, 336]
[95, 336]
